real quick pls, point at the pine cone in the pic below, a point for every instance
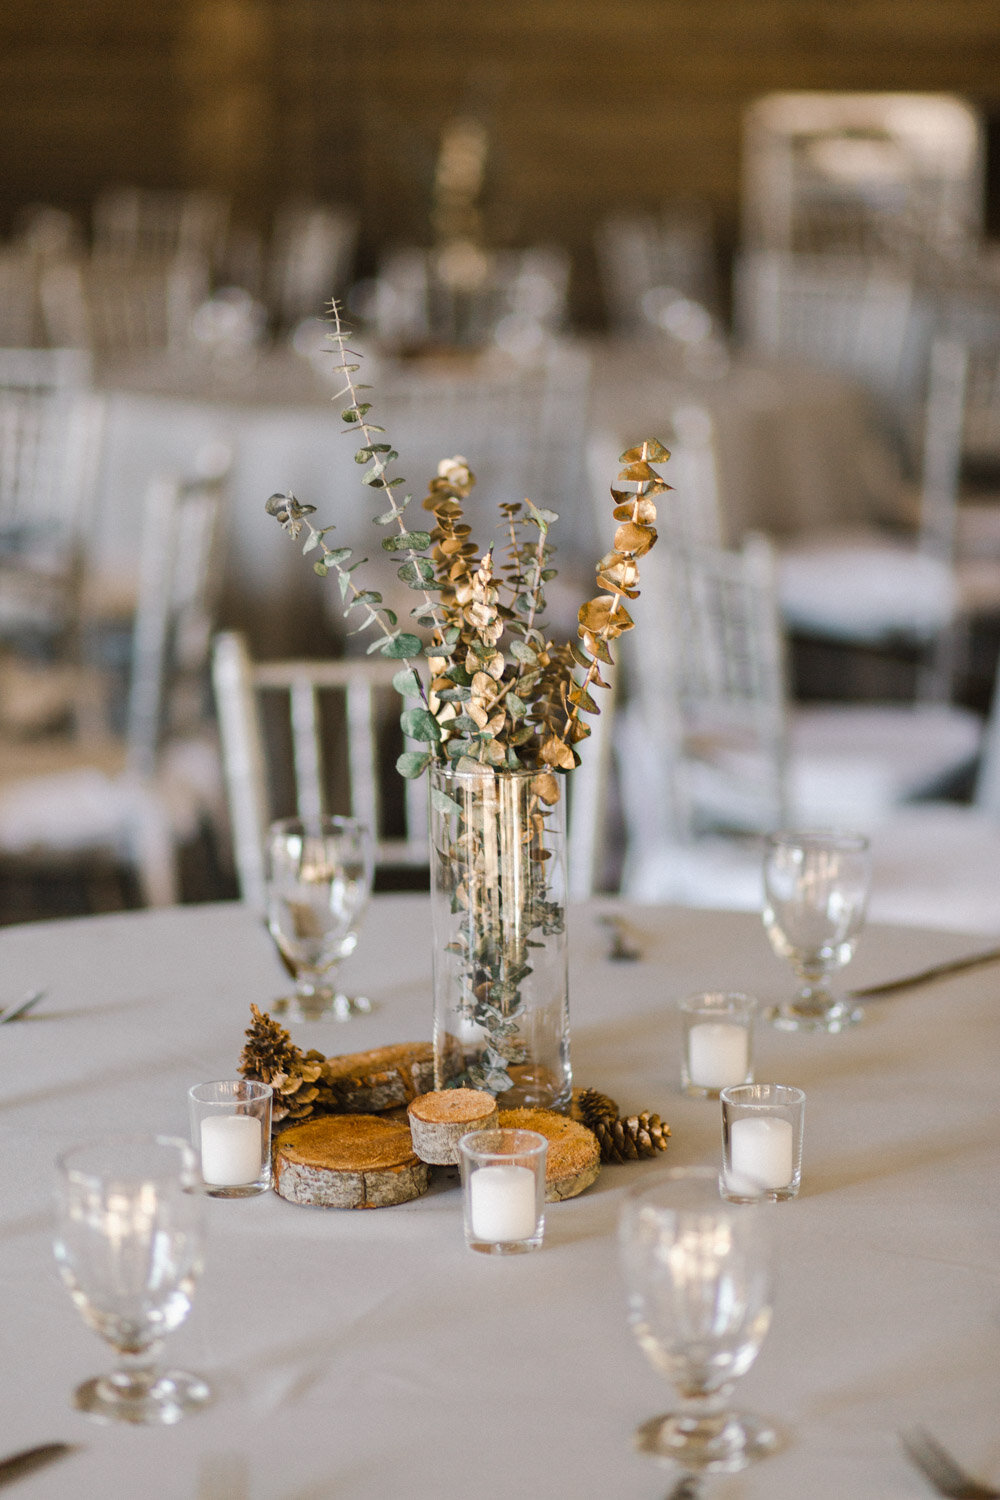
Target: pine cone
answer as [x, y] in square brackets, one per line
[634, 1137]
[268, 1050]
[593, 1108]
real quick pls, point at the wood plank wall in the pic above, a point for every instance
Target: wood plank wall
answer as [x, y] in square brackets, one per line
[591, 103]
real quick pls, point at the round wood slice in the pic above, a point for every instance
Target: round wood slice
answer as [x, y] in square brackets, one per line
[348, 1161]
[573, 1159]
[438, 1121]
[386, 1077]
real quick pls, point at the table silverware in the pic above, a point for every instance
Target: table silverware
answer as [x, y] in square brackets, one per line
[686, 1488]
[927, 976]
[25, 1462]
[940, 1469]
[622, 948]
[17, 1011]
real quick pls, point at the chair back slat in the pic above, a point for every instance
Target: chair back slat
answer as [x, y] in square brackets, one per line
[306, 694]
[179, 582]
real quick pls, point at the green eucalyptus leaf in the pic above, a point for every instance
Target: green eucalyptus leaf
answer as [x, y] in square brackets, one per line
[417, 571]
[401, 646]
[413, 763]
[442, 803]
[412, 541]
[407, 683]
[336, 557]
[420, 724]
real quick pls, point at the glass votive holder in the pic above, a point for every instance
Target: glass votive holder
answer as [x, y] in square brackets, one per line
[761, 1142]
[231, 1131]
[503, 1190]
[717, 1048]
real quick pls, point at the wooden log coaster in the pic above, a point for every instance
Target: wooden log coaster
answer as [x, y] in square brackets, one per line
[384, 1078]
[348, 1161]
[438, 1121]
[573, 1159]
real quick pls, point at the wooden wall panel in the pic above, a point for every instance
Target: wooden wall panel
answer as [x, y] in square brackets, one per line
[591, 103]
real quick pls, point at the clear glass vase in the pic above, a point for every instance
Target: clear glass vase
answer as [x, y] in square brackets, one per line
[498, 897]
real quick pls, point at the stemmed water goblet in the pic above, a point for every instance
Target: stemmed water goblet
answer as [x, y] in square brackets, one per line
[318, 881]
[129, 1246]
[698, 1272]
[815, 896]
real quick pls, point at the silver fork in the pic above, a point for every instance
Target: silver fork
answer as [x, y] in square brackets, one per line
[937, 1465]
[17, 1011]
[621, 948]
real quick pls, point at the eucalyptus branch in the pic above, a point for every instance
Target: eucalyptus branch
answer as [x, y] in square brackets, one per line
[381, 455]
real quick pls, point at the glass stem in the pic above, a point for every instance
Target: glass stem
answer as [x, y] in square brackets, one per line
[137, 1372]
[704, 1415]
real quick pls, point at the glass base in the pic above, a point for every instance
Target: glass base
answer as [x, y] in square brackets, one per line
[237, 1190]
[838, 1015]
[505, 1247]
[115, 1398]
[708, 1445]
[324, 1005]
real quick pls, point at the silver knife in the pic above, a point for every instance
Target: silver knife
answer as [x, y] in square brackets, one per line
[927, 976]
[30, 1459]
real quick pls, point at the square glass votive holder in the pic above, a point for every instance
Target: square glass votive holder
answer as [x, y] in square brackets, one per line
[761, 1142]
[231, 1131]
[503, 1190]
[717, 1044]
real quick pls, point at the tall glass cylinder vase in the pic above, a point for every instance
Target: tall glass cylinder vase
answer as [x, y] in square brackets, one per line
[498, 896]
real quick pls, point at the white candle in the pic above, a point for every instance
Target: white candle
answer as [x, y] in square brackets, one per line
[502, 1203]
[230, 1150]
[761, 1152]
[718, 1054]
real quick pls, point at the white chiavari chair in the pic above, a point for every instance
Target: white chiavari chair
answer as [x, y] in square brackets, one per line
[136, 796]
[51, 427]
[160, 223]
[309, 737]
[309, 258]
[712, 750]
[118, 305]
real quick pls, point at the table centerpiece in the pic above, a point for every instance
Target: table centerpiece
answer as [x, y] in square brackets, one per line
[493, 711]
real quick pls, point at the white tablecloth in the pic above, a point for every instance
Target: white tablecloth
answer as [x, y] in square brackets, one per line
[797, 450]
[367, 1355]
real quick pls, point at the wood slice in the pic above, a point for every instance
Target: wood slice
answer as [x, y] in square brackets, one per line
[438, 1121]
[386, 1077]
[573, 1159]
[348, 1161]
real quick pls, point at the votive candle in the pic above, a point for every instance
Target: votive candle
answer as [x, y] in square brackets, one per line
[718, 1054]
[762, 1151]
[230, 1150]
[502, 1203]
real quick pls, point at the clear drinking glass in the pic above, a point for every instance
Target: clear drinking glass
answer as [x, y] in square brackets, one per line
[129, 1250]
[319, 879]
[698, 1271]
[815, 895]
